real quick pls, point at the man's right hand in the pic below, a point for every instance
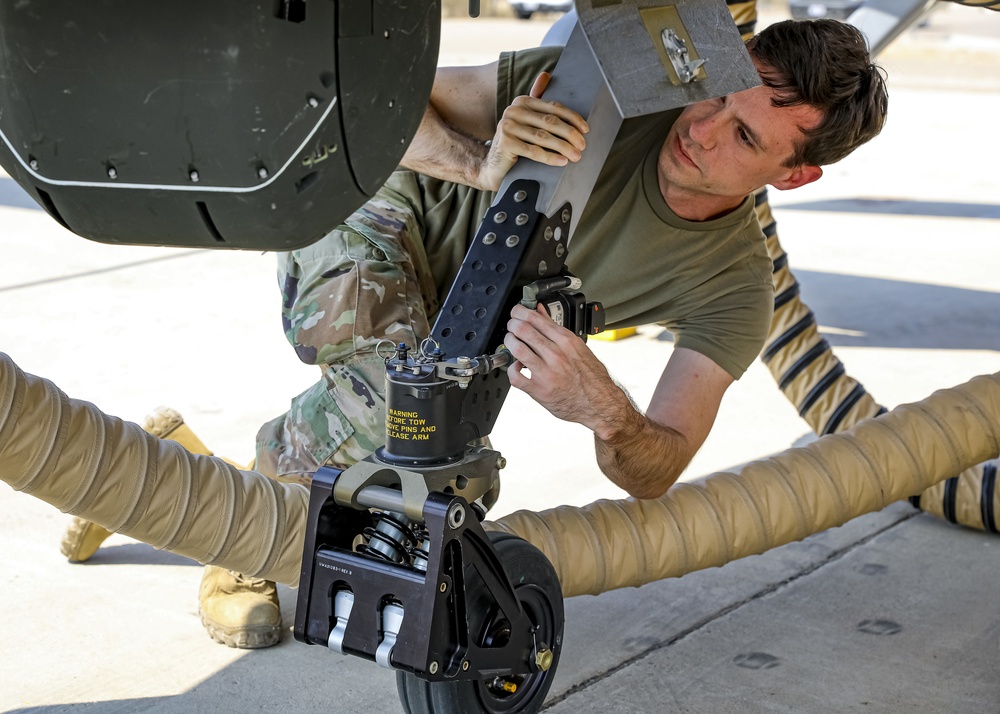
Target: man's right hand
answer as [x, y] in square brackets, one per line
[451, 143]
[546, 132]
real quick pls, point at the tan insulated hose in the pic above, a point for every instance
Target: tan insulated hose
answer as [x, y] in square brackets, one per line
[68, 453]
[816, 383]
[71, 455]
[615, 544]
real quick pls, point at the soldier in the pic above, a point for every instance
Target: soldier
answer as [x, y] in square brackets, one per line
[669, 236]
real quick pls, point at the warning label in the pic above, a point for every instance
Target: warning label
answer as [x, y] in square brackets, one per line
[408, 426]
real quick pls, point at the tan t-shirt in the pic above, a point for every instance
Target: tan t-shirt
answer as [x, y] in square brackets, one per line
[708, 282]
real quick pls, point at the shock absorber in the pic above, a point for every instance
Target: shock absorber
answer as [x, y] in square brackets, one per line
[392, 539]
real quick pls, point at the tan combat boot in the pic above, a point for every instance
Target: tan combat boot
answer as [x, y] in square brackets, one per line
[239, 611]
[83, 538]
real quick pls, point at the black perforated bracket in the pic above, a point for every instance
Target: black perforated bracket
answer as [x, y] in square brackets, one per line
[514, 246]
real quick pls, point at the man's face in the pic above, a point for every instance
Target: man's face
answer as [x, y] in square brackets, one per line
[720, 150]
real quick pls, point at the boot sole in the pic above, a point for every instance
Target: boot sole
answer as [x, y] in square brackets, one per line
[72, 545]
[242, 638]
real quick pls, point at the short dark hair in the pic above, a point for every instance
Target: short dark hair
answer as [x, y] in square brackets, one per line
[824, 64]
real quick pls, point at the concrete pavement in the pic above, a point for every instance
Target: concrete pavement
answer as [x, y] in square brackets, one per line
[897, 250]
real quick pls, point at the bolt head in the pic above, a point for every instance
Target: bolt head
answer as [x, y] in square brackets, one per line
[543, 658]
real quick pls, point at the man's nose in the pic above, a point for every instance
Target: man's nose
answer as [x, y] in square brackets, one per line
[704, 130]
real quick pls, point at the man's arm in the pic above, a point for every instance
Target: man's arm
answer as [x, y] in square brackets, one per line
[451, 141]
[642, 453]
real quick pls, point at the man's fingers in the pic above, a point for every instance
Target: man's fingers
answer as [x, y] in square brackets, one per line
[541, 82]
[521, 351]
[554, 110]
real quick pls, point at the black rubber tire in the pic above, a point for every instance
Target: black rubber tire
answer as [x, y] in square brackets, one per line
[539, 592]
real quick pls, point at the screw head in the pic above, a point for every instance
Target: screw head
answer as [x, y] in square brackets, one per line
[565, 215]
[433, 669]
[313, 102]
[520, 195]
[194, 176]
[542, 267]
[465, 666]
[444, 587]
[33, 164]
[512, 241]
[112, 172]
[262, 172]
[521, 219]
[560, 250]
[489, 238]
[548, 233]
[499, 217]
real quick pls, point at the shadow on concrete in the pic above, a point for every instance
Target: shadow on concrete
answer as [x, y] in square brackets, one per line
[136, 554]
[288, 677]
[875, 312]
[900, 207]
[855, 311]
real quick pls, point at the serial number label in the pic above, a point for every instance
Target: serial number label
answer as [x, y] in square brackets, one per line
[408, 426]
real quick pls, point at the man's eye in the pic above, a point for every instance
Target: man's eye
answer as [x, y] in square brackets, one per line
[745, 138]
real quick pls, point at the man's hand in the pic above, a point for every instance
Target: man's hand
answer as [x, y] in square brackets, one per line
[642, 453]
[566, 377]
[546, 132]
[451, 143]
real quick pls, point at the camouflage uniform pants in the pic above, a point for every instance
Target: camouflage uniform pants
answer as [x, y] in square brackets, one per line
[365, 282]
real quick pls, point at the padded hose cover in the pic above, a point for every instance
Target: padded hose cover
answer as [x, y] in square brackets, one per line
[615, 544]
[109, 471]
[67, 453]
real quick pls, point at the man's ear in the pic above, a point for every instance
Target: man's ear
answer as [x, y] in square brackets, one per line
[798, 176]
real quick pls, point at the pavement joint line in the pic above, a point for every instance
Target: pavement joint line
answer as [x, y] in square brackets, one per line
[692, 629]
[98, 271]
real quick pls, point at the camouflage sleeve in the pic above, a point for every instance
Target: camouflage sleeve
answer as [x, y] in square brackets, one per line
[362, 283]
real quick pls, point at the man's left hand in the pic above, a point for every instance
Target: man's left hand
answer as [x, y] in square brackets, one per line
[566, 377]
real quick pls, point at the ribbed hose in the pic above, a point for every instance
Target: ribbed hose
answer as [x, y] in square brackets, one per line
[816, 383]
[616, 544]
[69, 454]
